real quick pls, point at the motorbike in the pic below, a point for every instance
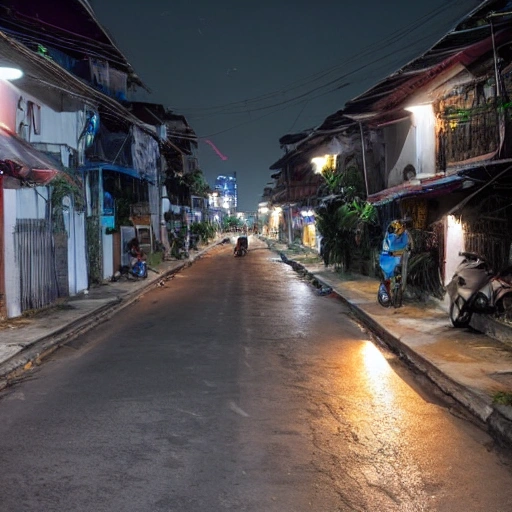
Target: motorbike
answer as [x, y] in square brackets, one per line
[241, 247]
[138, 267]
[475, 288]
[393, 263]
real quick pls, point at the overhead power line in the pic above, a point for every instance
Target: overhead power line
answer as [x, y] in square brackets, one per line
[254, 104]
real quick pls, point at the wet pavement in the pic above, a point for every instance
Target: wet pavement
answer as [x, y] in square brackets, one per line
[464, 363]
[467, 365]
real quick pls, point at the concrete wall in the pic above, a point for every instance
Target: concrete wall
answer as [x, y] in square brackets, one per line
[54, 127]
[62, 128]
[454, 243]
[77, 258]
[400, 147]
[424, 120]
[411, 142]
[9, 95]
[12, 271]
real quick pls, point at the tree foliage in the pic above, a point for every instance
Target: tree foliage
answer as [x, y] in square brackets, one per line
[180, 186]
[348, 224]
[231, 222]
[205, 230]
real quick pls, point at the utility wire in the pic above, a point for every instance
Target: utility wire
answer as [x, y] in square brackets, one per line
[298, 115]
[293, 101]
[286, 104]
[395, 37]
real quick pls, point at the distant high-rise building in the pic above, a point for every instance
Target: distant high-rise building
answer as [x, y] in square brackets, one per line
[226, 193]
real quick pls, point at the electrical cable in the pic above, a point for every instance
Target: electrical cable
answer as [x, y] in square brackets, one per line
[298, 115]
[303, 95]
[393, 38]
[58, 42]
[39, 22]
[287, 102]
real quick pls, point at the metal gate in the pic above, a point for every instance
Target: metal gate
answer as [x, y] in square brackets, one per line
[35, 252]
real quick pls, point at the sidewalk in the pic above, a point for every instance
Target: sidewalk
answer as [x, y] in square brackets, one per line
[25, 341]
[467, 365]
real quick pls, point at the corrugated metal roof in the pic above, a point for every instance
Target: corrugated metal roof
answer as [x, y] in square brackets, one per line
[469, 41]
[427, 187]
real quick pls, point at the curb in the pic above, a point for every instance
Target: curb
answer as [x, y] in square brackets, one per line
[497, 419]
[32, 355]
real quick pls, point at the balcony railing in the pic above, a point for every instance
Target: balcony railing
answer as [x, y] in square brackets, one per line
[467, 133]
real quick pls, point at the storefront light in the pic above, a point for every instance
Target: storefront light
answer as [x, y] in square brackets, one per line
[454, 223]
[320, 163]
[421, 112]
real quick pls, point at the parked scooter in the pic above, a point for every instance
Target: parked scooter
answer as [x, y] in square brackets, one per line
[475, 288]
[139, 270]
[138, 267]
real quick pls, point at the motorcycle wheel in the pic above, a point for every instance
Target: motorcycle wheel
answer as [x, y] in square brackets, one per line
[459, 317]
[383, 299]
[504, 307]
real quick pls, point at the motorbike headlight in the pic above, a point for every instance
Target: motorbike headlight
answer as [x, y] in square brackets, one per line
[481, 301]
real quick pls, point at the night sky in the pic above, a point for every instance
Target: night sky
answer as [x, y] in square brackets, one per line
[245, 73]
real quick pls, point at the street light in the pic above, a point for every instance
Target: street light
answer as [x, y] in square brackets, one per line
[10, 73]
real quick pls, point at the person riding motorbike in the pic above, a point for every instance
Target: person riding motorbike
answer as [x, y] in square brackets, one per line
[396, 247]
[241, 246]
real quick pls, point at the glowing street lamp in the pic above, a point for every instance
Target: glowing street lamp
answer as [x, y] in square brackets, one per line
[10, 73]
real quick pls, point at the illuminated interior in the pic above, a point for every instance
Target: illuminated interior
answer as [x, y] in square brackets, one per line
[321, 163]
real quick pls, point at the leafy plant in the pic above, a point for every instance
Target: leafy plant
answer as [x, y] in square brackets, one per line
[196, 183]
[155, 258]
[205, 230]
[231, 222]
[502, 398]
[62, 186]
[347, 228]
[423, 274]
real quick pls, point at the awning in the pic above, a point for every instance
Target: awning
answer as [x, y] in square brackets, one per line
[22, 161]
[129, 171]
[429, 187]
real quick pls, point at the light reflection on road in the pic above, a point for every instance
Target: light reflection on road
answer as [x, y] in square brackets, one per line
[378, 374]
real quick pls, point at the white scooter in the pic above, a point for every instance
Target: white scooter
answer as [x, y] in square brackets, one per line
[475, 288]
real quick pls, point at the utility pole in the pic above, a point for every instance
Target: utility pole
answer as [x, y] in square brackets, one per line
[363, 151]
[289, 221]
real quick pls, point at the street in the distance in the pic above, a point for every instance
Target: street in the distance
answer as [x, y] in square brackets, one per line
[236, 386]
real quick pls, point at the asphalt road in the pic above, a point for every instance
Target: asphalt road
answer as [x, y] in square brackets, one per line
[236, 387]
